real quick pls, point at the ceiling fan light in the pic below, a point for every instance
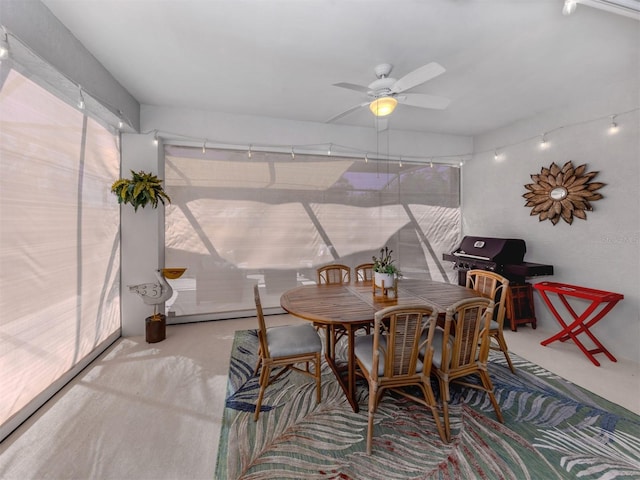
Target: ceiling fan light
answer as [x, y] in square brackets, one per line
[381, 107]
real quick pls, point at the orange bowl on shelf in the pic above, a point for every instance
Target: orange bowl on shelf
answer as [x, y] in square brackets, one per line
[173, 273]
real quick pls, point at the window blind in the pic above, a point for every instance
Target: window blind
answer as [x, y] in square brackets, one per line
[273, 219]
[59, 241]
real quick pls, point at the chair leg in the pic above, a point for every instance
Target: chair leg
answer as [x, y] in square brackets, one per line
[444, 393]
[486, 383]
[431, 400]
[373, 396]
[264, 381]
[258, 364]
[318, 379]
[502, 343]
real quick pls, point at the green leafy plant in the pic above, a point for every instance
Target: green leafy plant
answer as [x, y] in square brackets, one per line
[139, 190]
[384, 263]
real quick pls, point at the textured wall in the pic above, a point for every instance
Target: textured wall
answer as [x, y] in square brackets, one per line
[603, 251]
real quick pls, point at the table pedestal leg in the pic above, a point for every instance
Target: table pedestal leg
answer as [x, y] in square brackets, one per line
[348, 386]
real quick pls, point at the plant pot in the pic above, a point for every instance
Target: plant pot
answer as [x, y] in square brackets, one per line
[387, 278]
[156, 328]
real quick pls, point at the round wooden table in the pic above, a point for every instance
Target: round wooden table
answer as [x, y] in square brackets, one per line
[353, 306]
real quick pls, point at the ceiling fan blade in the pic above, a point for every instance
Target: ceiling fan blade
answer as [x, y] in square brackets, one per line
[421, 100]
[352, 86]
[347, 112]
[418, 76]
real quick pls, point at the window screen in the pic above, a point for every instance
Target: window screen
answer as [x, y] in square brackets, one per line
[59, 240]
[271, 219]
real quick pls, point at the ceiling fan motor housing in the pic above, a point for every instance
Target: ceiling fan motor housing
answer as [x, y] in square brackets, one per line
[381, 87]
[383, 70]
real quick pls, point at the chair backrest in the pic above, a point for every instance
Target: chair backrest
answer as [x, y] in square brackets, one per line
[364, 272]
[465, 340]
[334, 274]
[402, 327]
[493, 286]
[262, 328]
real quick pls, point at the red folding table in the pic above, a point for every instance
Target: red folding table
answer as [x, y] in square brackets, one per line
[581, 323]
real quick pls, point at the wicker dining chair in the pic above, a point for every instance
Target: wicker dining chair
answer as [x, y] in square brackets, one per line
[461, 348]
[364, 272]
[334, 273]
[285, 347]
[389, 358]
[495, 287]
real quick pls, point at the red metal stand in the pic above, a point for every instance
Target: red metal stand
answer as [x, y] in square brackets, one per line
[581, 323]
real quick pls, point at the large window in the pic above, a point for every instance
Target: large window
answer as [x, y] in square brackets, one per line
[59, 241]
[273, 219]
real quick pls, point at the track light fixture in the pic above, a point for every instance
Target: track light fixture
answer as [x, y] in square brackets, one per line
[569, 7]
[80, 103]
[4, 44]
[499, 153]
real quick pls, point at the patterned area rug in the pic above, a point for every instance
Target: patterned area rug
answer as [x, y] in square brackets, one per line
[553, 429]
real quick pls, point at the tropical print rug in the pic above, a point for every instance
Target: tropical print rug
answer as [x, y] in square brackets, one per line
[553, 429]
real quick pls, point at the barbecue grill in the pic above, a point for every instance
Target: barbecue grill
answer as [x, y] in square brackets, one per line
[506, 257]
[501, 255]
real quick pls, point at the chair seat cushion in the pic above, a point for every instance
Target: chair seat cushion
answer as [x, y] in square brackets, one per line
[293, 340]
[438, 338]
[363, 349]
[494, 327]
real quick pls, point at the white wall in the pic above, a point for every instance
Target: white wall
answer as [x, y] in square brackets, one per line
[601, 252]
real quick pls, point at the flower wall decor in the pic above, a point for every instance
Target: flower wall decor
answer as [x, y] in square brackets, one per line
[562, 193]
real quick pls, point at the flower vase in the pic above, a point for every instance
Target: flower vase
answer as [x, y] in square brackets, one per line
[387, 278]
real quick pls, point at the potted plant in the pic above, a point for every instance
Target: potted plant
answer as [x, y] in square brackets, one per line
[139, 190]
[384, 270]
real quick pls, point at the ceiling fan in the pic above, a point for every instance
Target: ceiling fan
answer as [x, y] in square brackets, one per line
[386, 92]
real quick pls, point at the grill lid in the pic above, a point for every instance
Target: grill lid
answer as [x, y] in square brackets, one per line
[498, 250]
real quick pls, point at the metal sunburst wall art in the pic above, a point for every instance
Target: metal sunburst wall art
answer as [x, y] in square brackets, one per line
[562, 193]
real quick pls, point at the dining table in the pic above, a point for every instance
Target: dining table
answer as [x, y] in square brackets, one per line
[350, 307]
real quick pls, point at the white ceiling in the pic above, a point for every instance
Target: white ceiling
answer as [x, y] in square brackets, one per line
[505, 59]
